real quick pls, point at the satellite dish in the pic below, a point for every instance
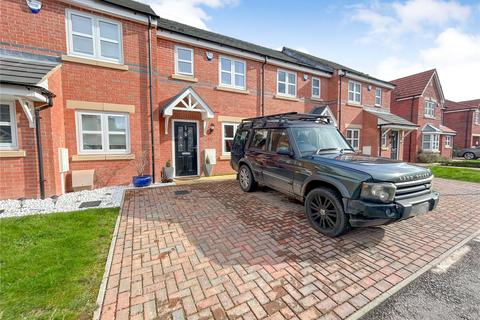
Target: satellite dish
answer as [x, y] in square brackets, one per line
[34, 5]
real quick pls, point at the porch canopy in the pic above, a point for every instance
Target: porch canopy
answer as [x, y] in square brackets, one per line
[388, 120]
[187, 100]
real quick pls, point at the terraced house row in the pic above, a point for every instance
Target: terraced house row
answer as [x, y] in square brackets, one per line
[92, 87]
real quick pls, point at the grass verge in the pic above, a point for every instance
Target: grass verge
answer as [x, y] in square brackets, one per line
[462, 174]
[51, 265]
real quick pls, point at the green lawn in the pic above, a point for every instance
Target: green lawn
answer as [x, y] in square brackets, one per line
[51, 265]
[456, 173]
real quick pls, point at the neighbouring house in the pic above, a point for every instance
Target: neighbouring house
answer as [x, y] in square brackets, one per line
[94, 85]
[464, 118]
[419, 99]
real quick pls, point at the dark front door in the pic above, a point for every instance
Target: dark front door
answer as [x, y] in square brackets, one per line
[185, 136]
[394, 145]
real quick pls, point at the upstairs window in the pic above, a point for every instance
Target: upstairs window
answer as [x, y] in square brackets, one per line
[477, 117]
[354, 92]
[232, 73]
[8, 126]
[100, 132]
[429, 109]
[184, 61]
[378, 97]
[286, 83]
[94, 37]
[353, 138]
[315, 88]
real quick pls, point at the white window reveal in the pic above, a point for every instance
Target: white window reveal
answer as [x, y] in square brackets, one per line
[354, 92]
[315, 87]
[378, 97]
[384, 139]
[8, 126]
[477, 117]
[431, 142]
[286, 83]
[430, 109]
[100, 132]
[228, 133]
[184, 61]
[94, 37]
[448, 141]
[353, 138]
[232, 73]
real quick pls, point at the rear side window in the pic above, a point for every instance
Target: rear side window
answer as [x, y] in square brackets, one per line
[239, 141]
[279, 141]
[259, 140]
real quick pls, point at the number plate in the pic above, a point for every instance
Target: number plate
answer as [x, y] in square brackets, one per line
[419, 209]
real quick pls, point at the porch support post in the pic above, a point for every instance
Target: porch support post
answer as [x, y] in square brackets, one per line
[39, 153]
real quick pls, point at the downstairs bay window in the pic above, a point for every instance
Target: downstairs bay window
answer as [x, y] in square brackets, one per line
[431, 142]
[102, 132]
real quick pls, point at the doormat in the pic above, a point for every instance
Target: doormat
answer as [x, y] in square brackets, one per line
[90, 204]
[181, 192]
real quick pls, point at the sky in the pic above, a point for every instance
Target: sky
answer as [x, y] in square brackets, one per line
[386, 39]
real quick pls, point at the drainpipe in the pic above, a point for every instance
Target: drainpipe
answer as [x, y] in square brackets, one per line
[341, 74]
[263, 85]
[38, 138]
[467, 145]
[380, 141]
[152, 135]
[410, 137]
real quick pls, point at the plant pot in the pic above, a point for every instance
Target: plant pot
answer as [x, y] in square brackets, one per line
[142, 181]
[208, 169]
[167, 174]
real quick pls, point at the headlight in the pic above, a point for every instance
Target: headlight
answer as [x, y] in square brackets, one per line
[384, 192]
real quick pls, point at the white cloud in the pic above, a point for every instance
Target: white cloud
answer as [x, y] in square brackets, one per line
[190, 12]
[455, 55]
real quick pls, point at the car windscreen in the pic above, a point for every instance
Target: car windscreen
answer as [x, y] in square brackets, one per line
[311, 140]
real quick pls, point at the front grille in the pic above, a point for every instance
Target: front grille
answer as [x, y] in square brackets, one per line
[412, 189]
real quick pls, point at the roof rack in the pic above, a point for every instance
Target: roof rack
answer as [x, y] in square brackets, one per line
[283, 119]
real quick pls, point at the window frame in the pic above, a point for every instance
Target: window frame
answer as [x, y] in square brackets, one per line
[379, 104]
[286, 83]
[176, 60]
[448, 142]
[104, 132]
[384, 139]
[425, 113]
[354, 92]
[235, 127]
[13, 126]
[96, 38]
[233, 73]
[319, 88]
[476, 117]
[433, 142]
[353, 130]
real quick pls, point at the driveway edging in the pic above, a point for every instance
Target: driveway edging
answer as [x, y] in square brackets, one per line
[103, 286]
[387, 294]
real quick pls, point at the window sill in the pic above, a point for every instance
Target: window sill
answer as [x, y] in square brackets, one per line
[427, 117]
[183, 78]
[93, 62]
[225, 157]
[227, 89]
[354, 104]
[316, 99]
[102, 157]
[384, 148]
[280, 97]
[13, 153]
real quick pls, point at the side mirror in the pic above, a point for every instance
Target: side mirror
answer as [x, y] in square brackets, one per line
[285, 152]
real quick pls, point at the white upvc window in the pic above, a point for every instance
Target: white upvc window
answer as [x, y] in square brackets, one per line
[354, 92]
[477, 117]
[228, 133]
[378, 97]
[286, 83]
[94, 37]
[184, 61]
[315, 87]
[448, 141]
[353, 138]
[431, 142]
[8, 126]
[384, 139]
[103, 132]
[232, 73]
[430, 109]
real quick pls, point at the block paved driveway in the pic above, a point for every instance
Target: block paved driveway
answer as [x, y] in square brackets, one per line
[209, 250]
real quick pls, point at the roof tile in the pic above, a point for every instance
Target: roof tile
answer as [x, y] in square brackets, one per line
[412, 85]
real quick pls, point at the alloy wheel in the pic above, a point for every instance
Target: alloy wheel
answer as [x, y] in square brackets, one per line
[244, 178]
[469, 156]
[322, 212]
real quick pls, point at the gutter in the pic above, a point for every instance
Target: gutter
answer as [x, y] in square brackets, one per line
[152, 135]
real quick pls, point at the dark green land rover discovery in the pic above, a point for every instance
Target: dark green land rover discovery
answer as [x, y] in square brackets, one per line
[305, 157]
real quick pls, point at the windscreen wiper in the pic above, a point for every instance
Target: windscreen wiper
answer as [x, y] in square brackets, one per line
[334, 149]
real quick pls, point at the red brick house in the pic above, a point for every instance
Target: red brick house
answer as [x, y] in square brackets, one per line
[464, 118]
[419, 99]
[99, 75]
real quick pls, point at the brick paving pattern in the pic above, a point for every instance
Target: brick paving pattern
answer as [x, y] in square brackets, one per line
[210, 250]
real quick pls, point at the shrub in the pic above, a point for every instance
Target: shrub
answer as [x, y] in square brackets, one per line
[425, 157]
[464, 163]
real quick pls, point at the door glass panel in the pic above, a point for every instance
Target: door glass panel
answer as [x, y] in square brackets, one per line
[190, 138]
[180, 142]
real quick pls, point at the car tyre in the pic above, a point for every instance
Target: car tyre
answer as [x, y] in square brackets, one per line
[469, 156]
[246, 179]
[325, 213]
